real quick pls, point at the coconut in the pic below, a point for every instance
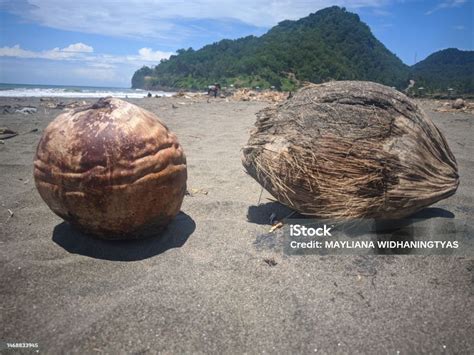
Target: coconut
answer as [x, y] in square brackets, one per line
[111, 169]
[351, 149]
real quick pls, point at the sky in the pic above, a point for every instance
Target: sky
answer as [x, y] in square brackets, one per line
[102, 42]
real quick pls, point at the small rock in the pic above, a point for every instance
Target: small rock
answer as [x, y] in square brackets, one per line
[270, 261]
[458, 104]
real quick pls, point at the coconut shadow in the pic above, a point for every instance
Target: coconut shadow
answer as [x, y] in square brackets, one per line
[388, 230]
[174, 236]
[266, 213]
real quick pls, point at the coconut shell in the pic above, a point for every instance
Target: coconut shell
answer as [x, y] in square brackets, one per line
[351, 149]
[111, 169]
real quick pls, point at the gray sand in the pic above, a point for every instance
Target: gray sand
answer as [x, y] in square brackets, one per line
[204, 286]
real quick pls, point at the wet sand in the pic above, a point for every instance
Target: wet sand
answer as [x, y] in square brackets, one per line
[204, 286]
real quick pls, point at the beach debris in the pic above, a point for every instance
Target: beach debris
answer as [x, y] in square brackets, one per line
[192, 192]
[6, 133]
[275, 227]
[48, 102]
[180, 94]
[10, 215]
[8, 136]
[458, 104]
[111, 169]
[270, 261]
[266, 95]
[74, 104]
[451, 106]
[54, 104]
[7, 109]
[24, 181]
[26, 110]
[350, 149]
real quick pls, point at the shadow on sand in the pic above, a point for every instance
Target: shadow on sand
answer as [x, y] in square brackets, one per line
[76, 242]
[267, 213]
[389, 230]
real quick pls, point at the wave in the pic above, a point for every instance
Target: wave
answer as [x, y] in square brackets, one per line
[78, 92]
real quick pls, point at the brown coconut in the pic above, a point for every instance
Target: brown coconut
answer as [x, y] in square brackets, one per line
[111, 169]
[351, 149]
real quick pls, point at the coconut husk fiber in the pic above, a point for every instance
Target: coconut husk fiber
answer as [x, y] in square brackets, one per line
[351, 149]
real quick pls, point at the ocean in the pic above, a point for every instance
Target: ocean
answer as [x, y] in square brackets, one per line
[23, 90]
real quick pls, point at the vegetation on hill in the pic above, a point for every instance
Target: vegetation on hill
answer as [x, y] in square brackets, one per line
[331, 44]
[449, 68]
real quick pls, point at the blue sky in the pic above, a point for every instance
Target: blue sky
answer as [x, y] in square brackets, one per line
[102, 42]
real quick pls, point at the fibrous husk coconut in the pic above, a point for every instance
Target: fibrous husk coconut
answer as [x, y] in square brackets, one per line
[111, 169]
[351, 149]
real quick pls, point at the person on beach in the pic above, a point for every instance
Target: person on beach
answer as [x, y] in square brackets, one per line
[214, 89]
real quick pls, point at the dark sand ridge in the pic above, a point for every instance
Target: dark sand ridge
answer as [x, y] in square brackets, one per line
[204, 286]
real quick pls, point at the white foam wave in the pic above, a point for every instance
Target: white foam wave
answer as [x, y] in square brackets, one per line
[71, 93]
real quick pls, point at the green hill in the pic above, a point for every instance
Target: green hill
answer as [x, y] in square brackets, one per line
[449, 68]
[331, 44]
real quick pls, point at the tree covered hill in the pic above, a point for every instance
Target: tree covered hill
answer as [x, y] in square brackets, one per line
[449, 68]
[331, 44]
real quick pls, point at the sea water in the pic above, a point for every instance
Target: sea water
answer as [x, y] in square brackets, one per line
[23, 90]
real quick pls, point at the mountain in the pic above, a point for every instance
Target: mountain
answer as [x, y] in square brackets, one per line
[331, 44]
[449, 68]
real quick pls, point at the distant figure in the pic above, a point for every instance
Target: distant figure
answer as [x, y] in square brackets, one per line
[149, 94]
[214, 89]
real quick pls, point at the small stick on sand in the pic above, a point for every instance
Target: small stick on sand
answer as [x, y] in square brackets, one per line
[10, 216]
[260, 197]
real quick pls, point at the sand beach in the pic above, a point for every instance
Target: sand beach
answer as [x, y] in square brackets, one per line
[206, 285]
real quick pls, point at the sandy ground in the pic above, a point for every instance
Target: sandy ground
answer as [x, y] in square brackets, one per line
[204, 286]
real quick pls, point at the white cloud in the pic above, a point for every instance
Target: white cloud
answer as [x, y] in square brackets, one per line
[69, 52]
[78, 47]
[459, 28]
[446, 5]
[165, 19]
[83, 52]
[84, 64]
[147, 54]
[16, 51]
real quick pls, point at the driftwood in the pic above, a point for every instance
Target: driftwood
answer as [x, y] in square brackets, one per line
[6, 133]
[351, 150]
[251, 95]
